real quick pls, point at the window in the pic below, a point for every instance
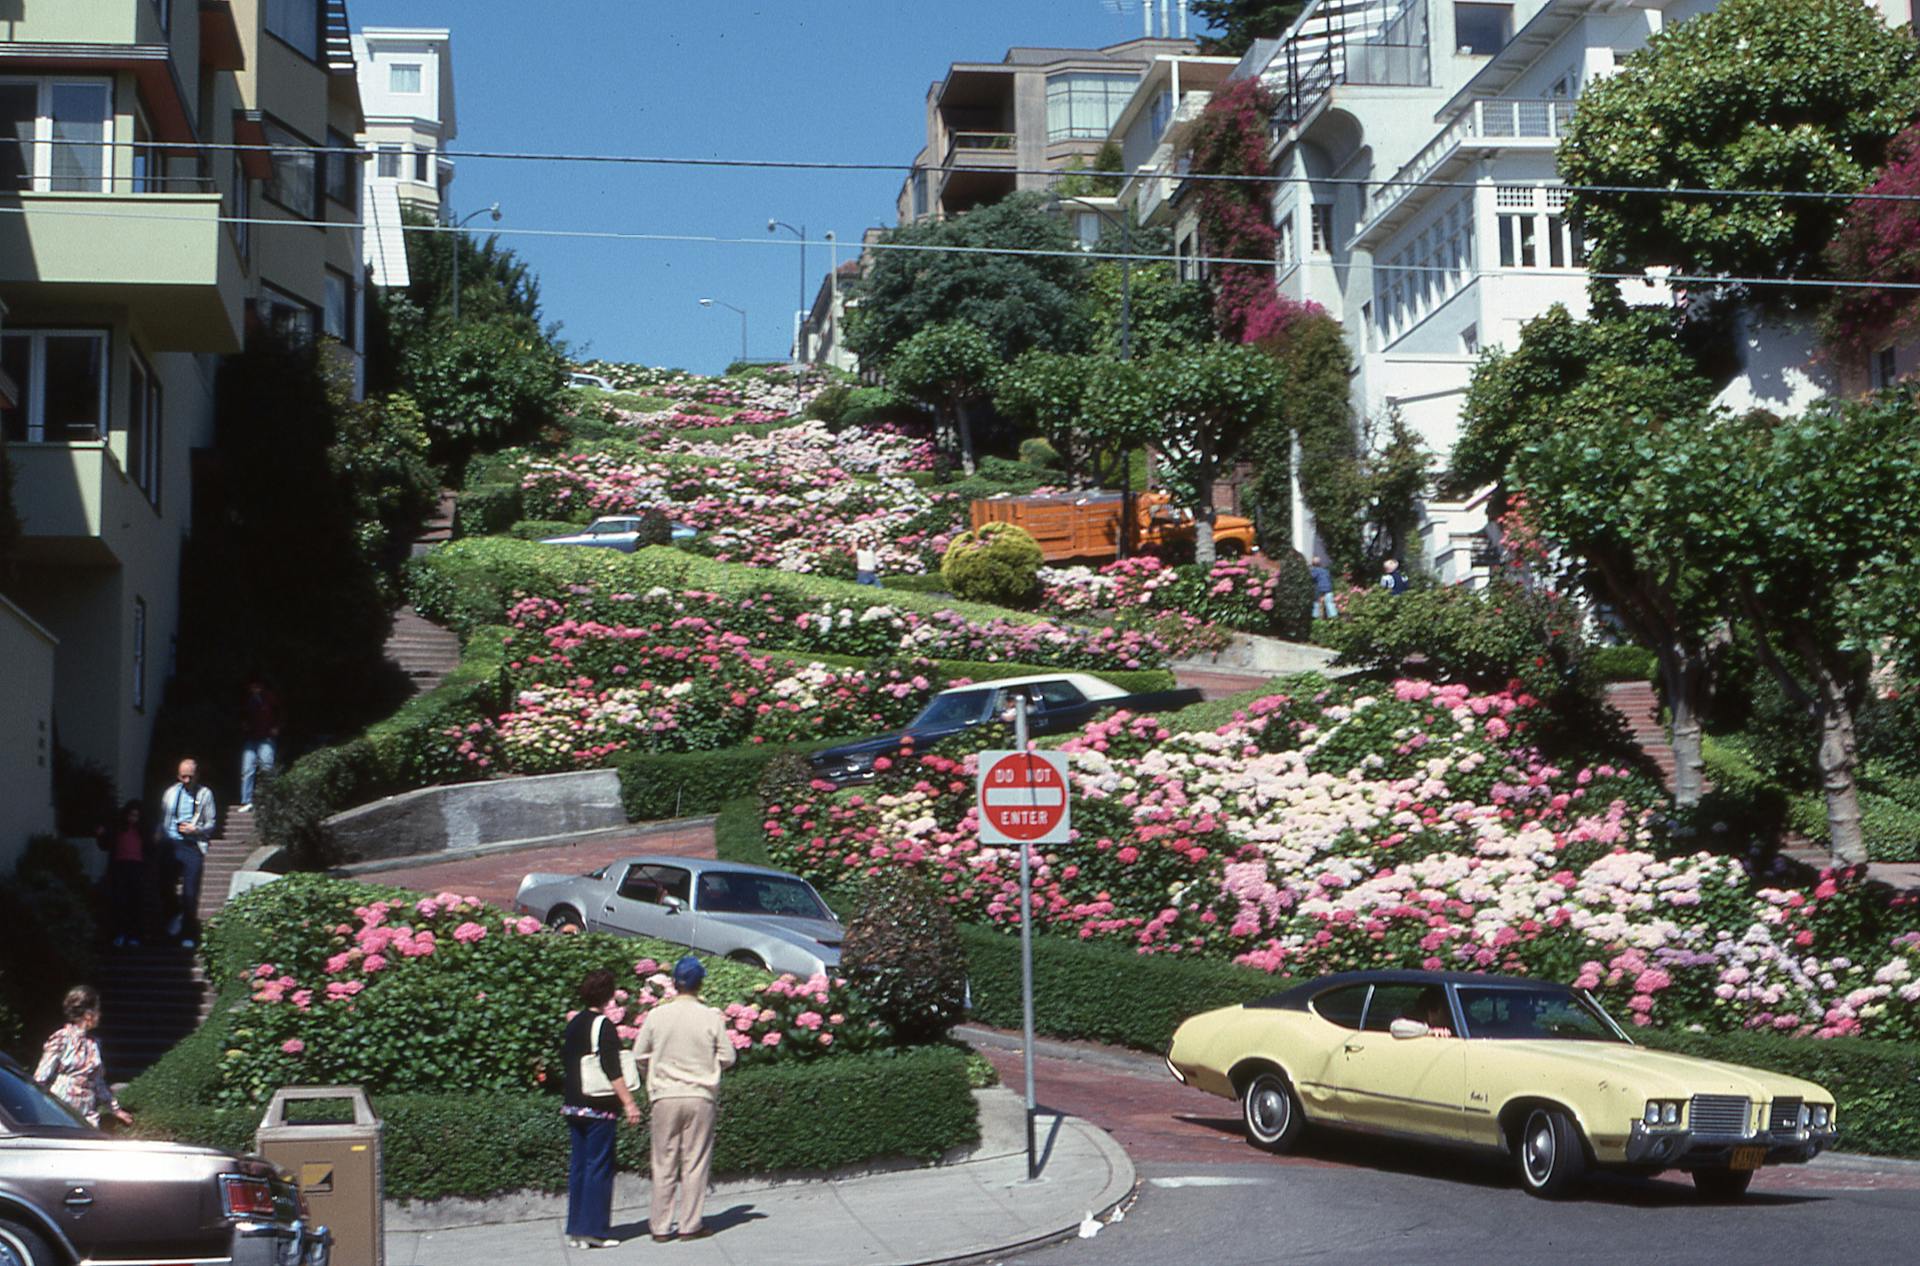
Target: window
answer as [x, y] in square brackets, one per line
[654, 884]
[1084, 105]
[295, 183]
[62, 377]
[297, 23]
[1322, 227]
[1162, 114]
[139, 654]
[1283, 243]
[290, 318]
[242, 207]
[1522, 234]
[1402, 1002]
[1885, 369]
[55, 134]
[144, 429]
[342, 166]
[389, 162]
[423, 166]
[1343, 1007]
[1366, 326]
[340, 305]
[404, 77]
[1470, 340]
[1481, 30]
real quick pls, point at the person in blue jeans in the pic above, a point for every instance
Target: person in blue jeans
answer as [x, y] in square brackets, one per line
[187, 820]
[260, 730]
[1323, 608]
[593, 1115]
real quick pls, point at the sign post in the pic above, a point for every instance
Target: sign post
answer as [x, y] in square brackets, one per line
[1024, 799]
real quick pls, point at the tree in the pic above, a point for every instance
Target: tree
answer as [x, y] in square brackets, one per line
[1162, 310]
[1017, 300]
[1203, 404]
[1805, 529]
[948, 367]
[1567, 416]
[1080, 180]
[1880, 240]
[495, 283]
[480, 386]
[1044, 391]
[1236, 24]
[1789, 95]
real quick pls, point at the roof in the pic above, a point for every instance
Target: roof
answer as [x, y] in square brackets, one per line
[700, 865]
[1296, 998]
[1090, 685]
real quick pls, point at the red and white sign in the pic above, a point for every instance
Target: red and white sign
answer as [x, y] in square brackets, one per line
[1024, 798]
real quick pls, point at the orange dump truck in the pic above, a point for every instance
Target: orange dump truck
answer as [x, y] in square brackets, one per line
[1086, 525]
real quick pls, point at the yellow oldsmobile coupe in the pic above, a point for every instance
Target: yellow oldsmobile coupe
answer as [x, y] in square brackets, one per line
[1532, 1070]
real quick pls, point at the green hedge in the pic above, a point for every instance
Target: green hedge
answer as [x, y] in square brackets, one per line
[470, 583]
[407, 750]
[739, 831]
[657, 785]
[823, 1115]
[541, 529]
[930, 582]
[1624, 663]
[1876, 1085]
[486, 509]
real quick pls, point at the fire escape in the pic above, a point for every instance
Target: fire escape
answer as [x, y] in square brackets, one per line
[1370, 42]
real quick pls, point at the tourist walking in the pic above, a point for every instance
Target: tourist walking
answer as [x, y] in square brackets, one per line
[685, 1045]
[260, 737]
[125, 843]
[187, 819]
[70, 1066]
[596, 1097]
[1323, 608]
[1392, 579]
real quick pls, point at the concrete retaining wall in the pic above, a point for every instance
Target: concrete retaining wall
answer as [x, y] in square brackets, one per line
[471, 815]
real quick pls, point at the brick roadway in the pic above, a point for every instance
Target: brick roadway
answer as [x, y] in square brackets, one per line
[1217, 683]
[496, 877]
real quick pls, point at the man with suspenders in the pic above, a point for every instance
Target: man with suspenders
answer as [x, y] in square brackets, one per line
[187, 820]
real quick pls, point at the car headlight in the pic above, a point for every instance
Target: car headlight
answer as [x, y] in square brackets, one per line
[1822, 1115]
[1806, 1116]
[1662, 1112]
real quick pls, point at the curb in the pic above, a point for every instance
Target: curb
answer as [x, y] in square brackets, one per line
[631, 830]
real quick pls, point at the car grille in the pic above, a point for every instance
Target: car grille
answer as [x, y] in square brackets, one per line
[1784, 1115]
[1720, 1114]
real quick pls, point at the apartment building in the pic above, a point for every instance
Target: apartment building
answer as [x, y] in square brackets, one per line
[823, 333]
[406, 88]
[134, 253]
[1012, 122]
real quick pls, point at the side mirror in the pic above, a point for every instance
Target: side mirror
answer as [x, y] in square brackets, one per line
[1404, 1028]
[674, 905]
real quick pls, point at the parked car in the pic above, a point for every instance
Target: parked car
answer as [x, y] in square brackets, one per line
[577, 379]
[71, 1193]
[620, 531]
[752, 914]
[1056, 701]
[1534, 1071]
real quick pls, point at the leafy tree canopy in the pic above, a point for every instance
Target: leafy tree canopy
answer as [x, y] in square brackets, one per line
[1018, 301]
[1236, 24]
[1163, 311]
[942, 363]
[1881, 240]
[495, 283]
[1790, 95]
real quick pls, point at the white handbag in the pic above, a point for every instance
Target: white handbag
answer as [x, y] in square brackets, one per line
[593, 1078]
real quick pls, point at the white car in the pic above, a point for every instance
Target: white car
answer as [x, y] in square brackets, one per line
[589, 380]
[619, 531]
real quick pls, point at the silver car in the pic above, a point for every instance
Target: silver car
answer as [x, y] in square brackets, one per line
[751, 914]
[620, 531]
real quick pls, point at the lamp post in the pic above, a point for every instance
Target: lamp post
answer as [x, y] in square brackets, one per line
[458, 235]
[708, 303]
[833, 284]
[799, 352]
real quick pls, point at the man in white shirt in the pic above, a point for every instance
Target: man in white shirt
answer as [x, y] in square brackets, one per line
[685, 1045]
[187, 819]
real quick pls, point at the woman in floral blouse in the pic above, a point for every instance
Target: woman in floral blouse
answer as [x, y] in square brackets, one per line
[70, 1066]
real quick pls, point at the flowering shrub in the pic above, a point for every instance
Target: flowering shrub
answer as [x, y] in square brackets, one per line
[1417, 827]
[398, 991]
[1233, 593]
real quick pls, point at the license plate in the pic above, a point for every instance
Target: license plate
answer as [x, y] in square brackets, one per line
[1749, 1157]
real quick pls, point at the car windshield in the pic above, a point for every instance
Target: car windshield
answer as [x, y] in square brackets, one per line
[739, 892]
[28, 1105]
[1518, 1012]
[953, 709]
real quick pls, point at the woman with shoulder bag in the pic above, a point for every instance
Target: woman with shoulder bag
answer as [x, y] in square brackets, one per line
[598, 1094]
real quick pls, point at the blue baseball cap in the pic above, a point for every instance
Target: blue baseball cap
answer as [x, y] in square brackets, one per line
[688, 973]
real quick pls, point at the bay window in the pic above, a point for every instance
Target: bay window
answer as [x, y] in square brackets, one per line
[55, 134]
[389, 163]
[62, 381]
[1530, 238]
[1083, 105]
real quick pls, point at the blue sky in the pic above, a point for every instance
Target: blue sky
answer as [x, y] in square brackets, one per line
[839, 81]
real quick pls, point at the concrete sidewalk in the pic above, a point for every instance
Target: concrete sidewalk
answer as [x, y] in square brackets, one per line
[970, 1208]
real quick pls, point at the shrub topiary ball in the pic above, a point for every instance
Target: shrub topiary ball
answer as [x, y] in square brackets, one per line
[998, 563]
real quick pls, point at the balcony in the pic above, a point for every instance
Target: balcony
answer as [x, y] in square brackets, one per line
[985, 163]
[164, 257]
[71, 498]
[1489, 126]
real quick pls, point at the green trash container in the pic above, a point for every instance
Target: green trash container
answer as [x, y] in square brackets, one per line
[337, 1164]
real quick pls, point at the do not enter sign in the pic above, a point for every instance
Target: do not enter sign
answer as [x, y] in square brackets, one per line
[1023, 798]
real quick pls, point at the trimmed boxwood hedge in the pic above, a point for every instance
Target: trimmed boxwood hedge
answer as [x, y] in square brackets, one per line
[817, 1116]
[683, 784]
[391, 756]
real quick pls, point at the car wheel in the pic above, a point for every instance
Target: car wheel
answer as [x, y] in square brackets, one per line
[21, 1247]
[1272, 1112]
[566, 919]
[750, 958]
[1551, 1155]
[1722, 1186]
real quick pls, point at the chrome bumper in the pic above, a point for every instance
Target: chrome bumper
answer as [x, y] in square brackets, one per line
[1685, 1149]
[277, 1244]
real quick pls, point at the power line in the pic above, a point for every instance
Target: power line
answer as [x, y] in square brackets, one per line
[704, 239]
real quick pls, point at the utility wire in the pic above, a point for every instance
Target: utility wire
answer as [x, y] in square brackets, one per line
[703, 239]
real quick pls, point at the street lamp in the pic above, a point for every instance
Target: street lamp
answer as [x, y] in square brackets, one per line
[833, 283]
[458, 234]
[708, 303]
[799, 353]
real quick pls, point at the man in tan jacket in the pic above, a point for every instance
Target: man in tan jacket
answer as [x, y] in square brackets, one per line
[684, 1044]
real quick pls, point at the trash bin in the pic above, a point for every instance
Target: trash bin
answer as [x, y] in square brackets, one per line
[338, 1168]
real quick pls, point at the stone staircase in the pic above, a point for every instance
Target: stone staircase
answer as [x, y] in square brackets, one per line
[422, 650]
[151, 996]
[1639, 704]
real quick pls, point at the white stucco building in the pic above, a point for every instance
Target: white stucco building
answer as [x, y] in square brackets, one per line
[406, 89]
